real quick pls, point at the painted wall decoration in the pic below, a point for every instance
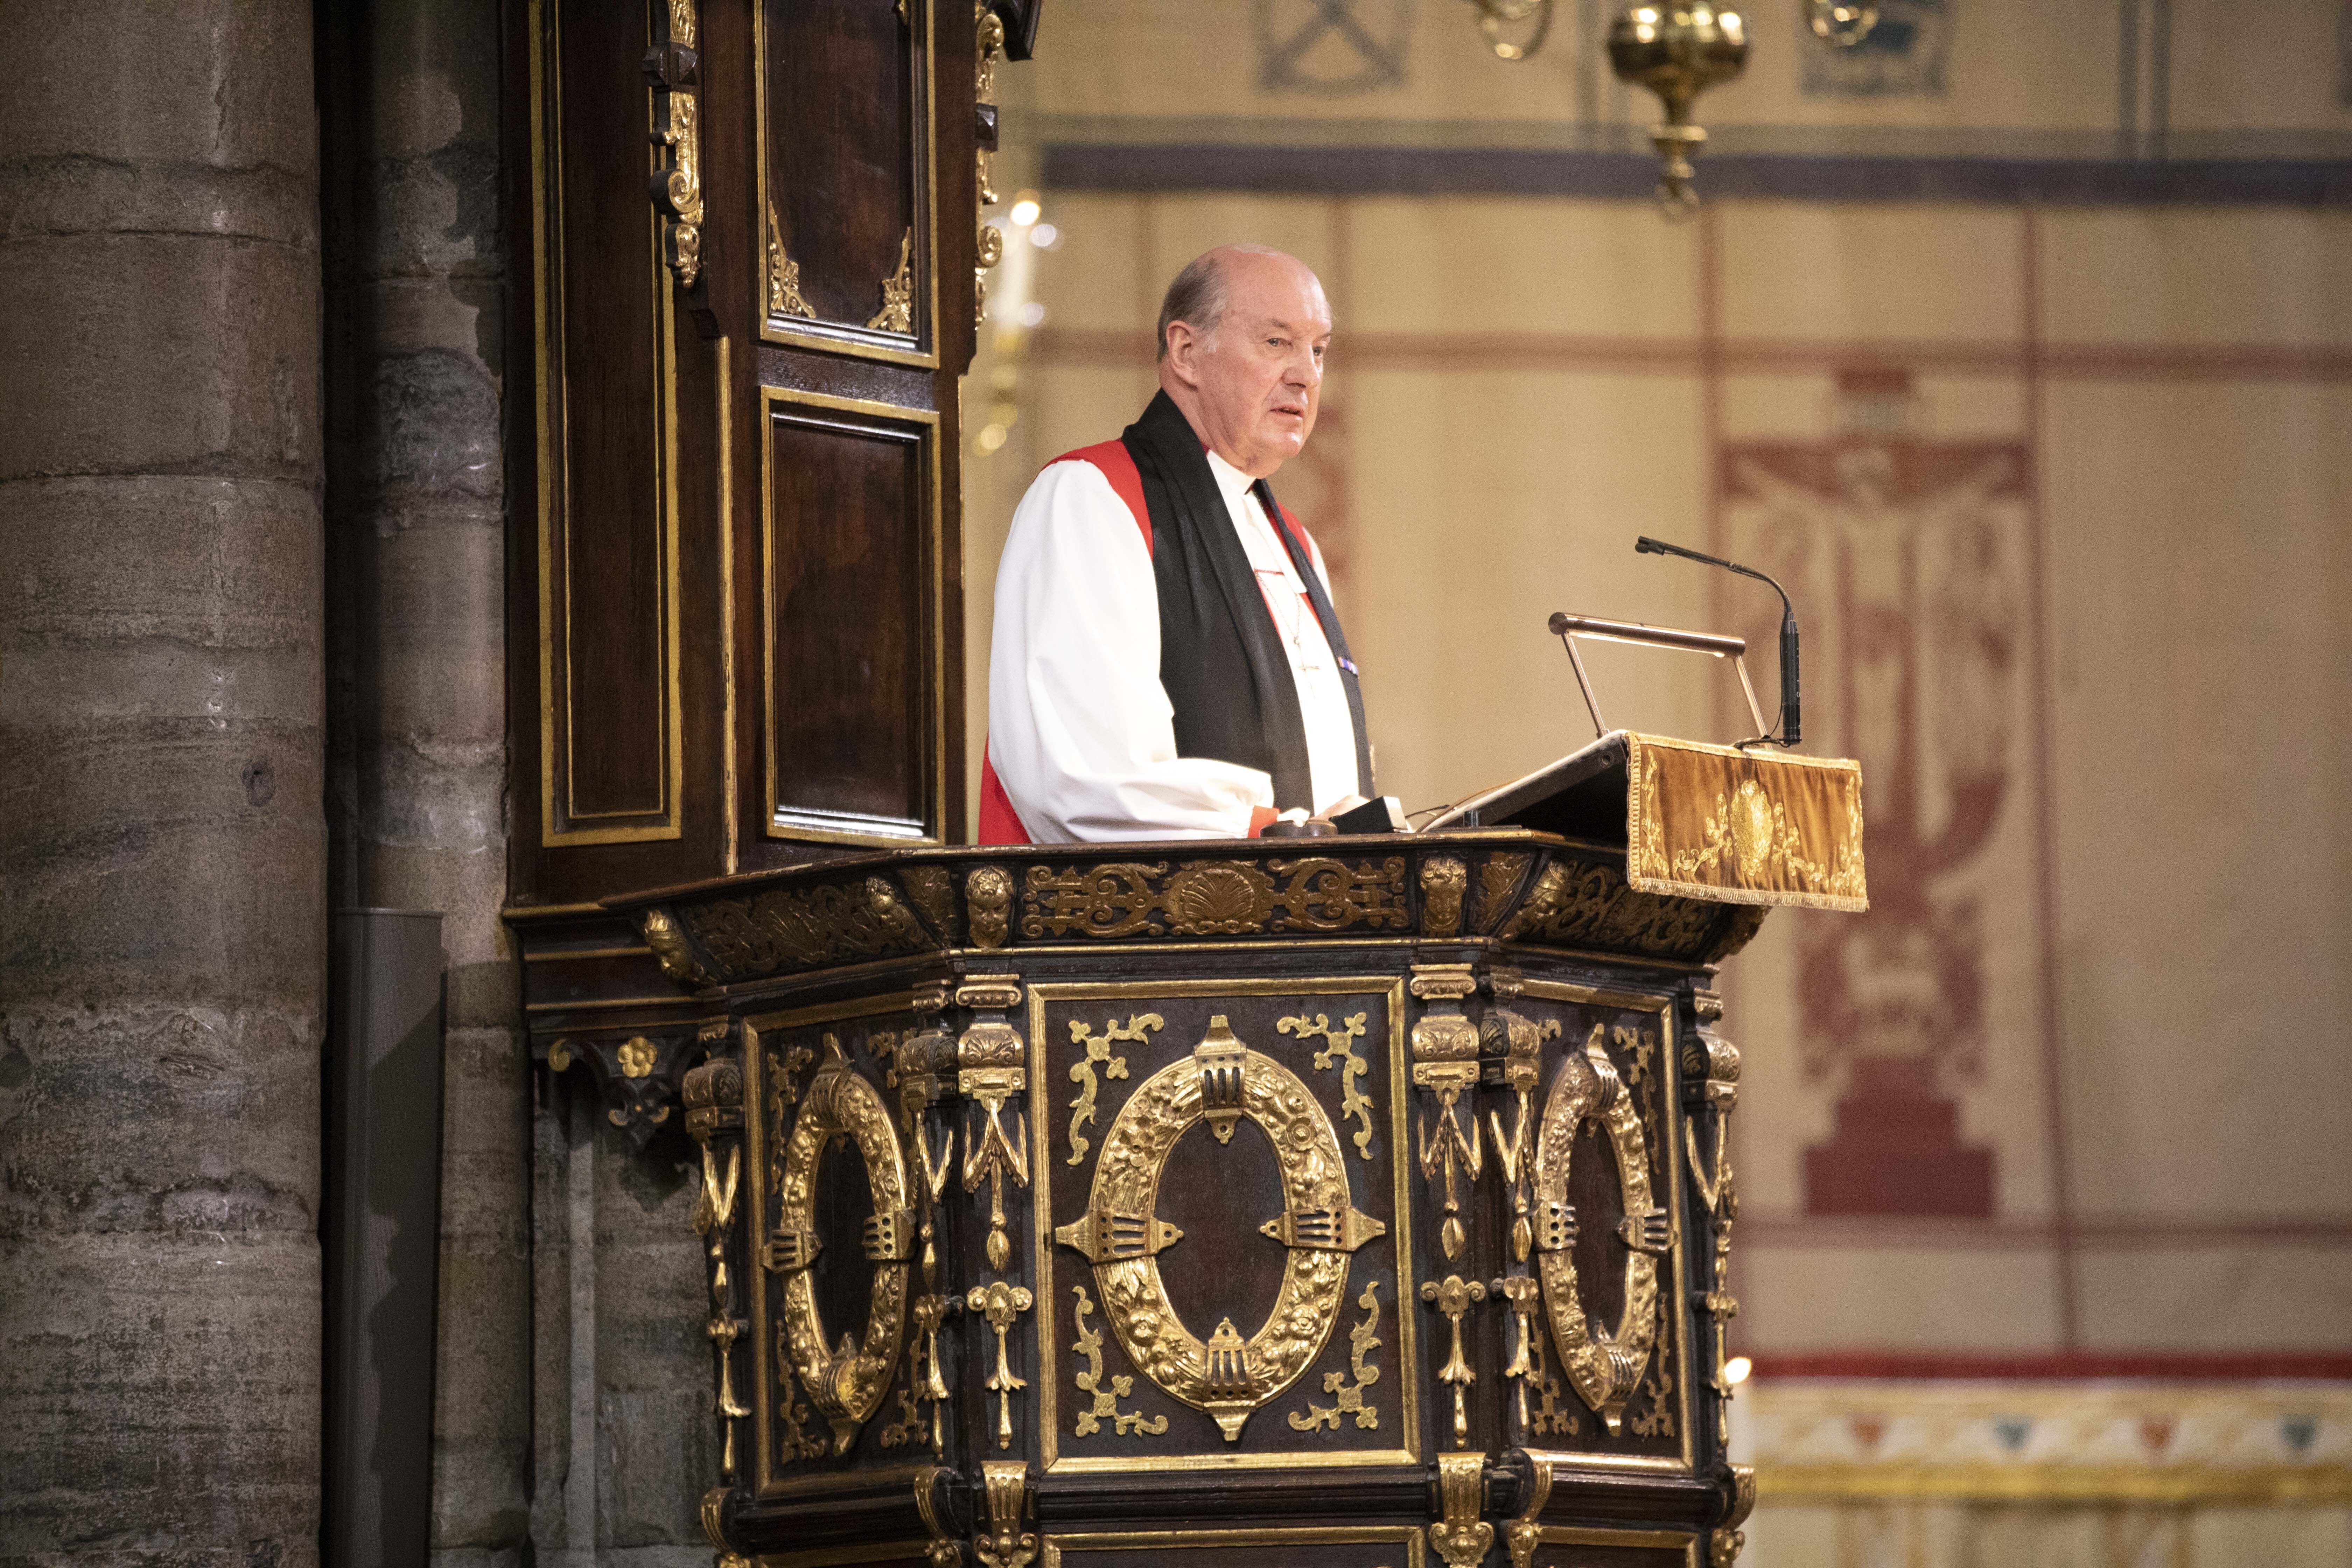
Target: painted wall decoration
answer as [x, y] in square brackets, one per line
[1906, 553]
[1903, 56]
[1335, 47]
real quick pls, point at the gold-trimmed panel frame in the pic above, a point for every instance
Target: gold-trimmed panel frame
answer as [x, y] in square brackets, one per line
[789, 328]
[1687, 1543]
[883, 421]
[1055, 1457]
[1666, 1189]
[552, 442]
[767, 1478]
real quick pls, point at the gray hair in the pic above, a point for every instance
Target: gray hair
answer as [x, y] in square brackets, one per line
[1198, 296]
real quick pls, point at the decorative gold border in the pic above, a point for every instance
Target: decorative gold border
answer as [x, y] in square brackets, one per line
[547, 258]
[923, 426]
[1670, 1130]
[729, 767]
[1407, 1536]
[1578, 1535]
[890, 1004]
[1040, 1159]
[2056, 1483]
[850, 338]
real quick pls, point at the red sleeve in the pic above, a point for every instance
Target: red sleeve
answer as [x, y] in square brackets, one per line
[1118, 466]
[999, 823]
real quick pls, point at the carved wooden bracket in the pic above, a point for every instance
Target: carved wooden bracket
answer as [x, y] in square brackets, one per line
[674, 69]
[638, 1075]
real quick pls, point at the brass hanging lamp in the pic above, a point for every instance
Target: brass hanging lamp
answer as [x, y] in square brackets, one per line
[1676, 49]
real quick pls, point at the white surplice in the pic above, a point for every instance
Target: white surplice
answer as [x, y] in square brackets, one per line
[1079, 729]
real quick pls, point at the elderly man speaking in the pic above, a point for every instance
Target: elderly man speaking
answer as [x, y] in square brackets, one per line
[1167, 662]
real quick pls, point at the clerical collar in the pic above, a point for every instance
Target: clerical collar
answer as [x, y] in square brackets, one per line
[1231, 481]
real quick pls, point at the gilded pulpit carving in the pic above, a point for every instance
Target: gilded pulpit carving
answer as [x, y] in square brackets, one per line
[846, 1382]
[1273, 1085]
[1604, 1362]
[1227, 1376]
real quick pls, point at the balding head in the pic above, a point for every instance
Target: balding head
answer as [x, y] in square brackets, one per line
[1242, 335]
[1200, 293]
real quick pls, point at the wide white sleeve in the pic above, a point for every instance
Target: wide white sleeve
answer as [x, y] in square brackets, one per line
[1079, 728]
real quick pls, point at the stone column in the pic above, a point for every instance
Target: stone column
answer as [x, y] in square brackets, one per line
[416, 292]
[161, 932]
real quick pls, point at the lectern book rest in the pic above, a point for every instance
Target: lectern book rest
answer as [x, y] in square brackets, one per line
[1362, 1200]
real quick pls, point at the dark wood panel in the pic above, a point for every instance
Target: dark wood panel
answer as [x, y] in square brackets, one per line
[637, 459]
[844, 137]
[1224, 1268]
[605, 526]
[853, 694]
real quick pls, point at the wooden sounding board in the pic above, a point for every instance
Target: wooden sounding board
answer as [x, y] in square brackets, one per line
[749, 260]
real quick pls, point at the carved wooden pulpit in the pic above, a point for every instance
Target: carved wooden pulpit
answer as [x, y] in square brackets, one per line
[1339, 1201]
[1345, 1201]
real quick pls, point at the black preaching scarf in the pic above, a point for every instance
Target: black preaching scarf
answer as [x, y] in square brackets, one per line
[1221, 657]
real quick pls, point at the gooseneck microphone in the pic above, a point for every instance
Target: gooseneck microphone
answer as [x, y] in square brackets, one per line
[1792, 725]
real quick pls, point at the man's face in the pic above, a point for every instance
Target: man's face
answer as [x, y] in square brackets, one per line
[1257, 377]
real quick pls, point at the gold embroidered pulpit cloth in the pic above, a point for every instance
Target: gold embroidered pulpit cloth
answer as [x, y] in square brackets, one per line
[1743, 827]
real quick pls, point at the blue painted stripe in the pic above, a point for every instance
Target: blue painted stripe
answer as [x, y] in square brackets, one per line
[1836, 177]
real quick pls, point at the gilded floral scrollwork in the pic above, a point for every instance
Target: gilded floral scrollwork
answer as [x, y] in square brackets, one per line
[1361, 1342]
[795, 1440]
[1523, 1296]
[1138, 1030]
[1090, 1381]
[1109, 900]
[1498, 878]
[783, 275]
[1578, 903]
[897, 312]
[804, 927]
[1717, 1194]
[908, 1427]
[1658, 1421]
[1330, 895]
[1339, 1051]
[933, 892]
[1214, 897]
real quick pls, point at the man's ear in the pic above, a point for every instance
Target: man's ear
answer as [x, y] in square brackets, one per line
[1183, 350]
